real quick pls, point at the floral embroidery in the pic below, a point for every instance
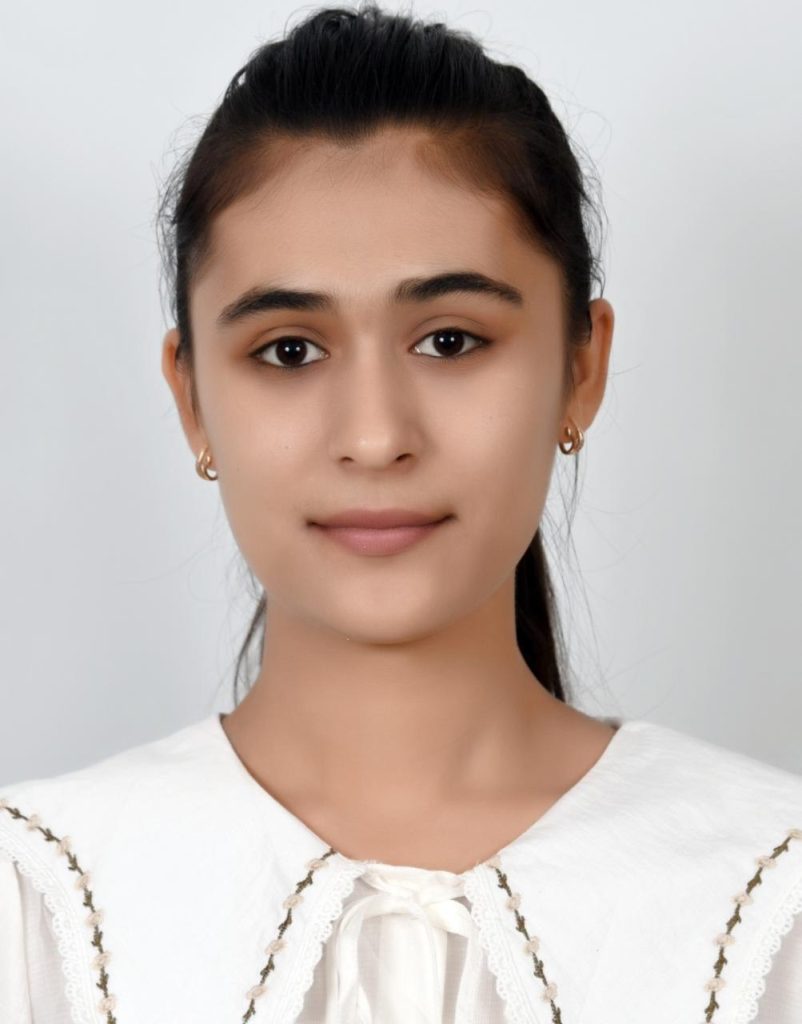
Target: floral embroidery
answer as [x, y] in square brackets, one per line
[108, 1003]
[532, 943]
[273, 947]
[741, 899]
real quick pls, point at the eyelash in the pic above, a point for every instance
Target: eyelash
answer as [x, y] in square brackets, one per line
[483, 343]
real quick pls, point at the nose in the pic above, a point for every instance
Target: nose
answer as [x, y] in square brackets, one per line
[374, 417]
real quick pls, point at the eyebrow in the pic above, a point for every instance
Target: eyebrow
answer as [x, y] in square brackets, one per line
[413, 289]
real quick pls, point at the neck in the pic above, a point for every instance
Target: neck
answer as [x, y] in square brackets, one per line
[417, 723]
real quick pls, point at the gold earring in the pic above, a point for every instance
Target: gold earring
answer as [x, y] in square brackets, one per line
[202, 464]
[576, 438]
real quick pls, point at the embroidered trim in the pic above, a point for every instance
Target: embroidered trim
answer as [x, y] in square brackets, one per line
[329, 911]
[532, 943]
[757, 984]
[273, 947]
[52, 893]
[492, 942]
[780, 926]
[79, 1010]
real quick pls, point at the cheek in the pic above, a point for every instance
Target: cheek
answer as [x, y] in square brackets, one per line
[261, 501]
[503, 479]
[267, 485]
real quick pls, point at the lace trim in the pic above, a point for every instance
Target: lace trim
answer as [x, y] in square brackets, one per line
[45, 883]
[756, 977]
[493, 943]
[329, 910]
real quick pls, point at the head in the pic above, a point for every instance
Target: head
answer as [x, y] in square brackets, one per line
[380, 274]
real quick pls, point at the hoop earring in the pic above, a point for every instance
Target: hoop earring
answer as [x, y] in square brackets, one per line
[202, 464]
[576, 439]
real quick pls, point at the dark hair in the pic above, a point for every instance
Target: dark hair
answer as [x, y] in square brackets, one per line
[341, 74]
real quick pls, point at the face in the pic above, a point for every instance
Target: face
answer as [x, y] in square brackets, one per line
[449, 404]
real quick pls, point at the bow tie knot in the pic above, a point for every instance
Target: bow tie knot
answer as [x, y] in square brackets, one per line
[416, 884]
[411, 959]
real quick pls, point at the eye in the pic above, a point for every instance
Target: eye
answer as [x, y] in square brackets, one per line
[294, 348]
[291, 348]
[451, 338]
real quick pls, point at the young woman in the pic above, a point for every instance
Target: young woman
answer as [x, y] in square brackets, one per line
[384, 331]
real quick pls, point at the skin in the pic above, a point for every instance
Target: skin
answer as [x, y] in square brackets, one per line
[393, 712]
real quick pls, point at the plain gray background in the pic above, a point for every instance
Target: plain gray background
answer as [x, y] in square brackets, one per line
[122, 602]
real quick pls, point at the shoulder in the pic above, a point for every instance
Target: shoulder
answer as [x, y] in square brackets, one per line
[92, 801]
[724, 829]
[712, 787]
[678, 852]
[685, 830]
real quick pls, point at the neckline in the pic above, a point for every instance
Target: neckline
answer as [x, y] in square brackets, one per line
[580, 791]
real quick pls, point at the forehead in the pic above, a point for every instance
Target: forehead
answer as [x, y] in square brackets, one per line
[356, 218]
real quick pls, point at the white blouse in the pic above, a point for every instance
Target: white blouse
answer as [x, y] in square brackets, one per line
[400, 944]
[405, 951]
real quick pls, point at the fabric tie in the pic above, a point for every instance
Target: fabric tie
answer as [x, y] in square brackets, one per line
[413, 965]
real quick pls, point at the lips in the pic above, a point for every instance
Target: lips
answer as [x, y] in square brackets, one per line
[383, 539]
[380, 519]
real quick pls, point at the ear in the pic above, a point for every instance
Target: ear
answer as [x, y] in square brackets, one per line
[177, 376]
[589, 364]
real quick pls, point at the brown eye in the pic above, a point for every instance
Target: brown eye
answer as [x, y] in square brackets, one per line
[449, 342]
[289, 350]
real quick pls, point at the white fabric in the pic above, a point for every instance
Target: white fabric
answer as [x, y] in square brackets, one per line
[388, 958]
[404, 946]
[387, 962]
[390, 962]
